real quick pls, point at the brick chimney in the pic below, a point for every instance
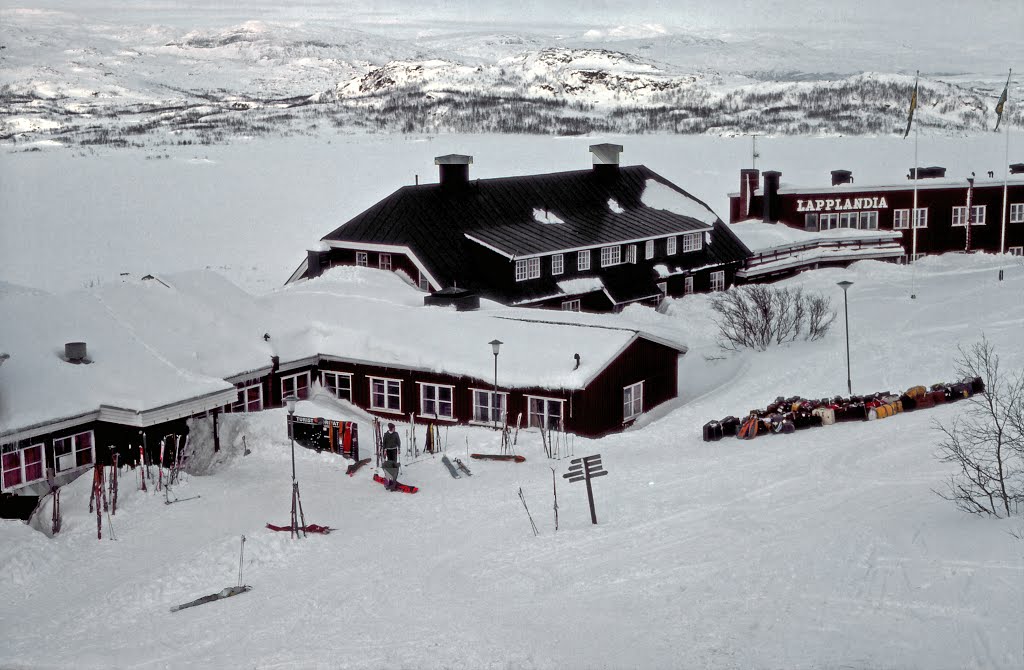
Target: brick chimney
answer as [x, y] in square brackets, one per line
[453, 169]
[771, 196]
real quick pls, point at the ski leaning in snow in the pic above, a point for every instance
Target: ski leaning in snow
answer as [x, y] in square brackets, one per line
[404, 488]
[226, 593]
[462, 466]
[499, 457]
[352, 469]
[451, 467]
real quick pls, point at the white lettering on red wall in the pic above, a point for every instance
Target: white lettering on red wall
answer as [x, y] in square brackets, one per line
[840, 204]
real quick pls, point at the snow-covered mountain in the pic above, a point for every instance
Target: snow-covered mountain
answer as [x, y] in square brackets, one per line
[86, 80]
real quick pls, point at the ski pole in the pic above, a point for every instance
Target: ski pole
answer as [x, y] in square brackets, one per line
[241, 554]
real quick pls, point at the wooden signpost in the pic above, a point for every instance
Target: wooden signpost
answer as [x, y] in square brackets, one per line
[585, 469]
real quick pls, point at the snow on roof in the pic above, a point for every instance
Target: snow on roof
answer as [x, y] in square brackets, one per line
[156, 343]
[322, 317]
[581, 285]
[614, 205]
[545, 216]
[659, 196]
[37, 385]
[759, 236]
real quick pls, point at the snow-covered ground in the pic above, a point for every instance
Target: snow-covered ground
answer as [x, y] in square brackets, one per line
[823, 549]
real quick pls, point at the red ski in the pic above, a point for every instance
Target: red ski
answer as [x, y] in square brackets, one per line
[499, 457]
[404, 488]
[351, 470]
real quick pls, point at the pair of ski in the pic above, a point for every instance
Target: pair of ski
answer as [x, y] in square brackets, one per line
[455, 468]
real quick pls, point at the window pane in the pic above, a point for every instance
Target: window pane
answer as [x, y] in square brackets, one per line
[33, 457]
[12, 468]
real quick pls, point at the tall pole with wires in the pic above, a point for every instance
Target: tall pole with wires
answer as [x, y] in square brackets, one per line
[1000, 109]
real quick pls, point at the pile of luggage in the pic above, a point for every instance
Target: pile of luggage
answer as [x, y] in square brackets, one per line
[788, 415]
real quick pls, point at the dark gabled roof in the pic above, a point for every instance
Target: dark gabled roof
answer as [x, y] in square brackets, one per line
[435, 220]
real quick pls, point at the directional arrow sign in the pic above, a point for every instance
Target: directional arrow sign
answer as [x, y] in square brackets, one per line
[585, 469]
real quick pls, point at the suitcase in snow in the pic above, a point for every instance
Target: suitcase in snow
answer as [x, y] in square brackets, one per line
[827, 415]
[712, 431]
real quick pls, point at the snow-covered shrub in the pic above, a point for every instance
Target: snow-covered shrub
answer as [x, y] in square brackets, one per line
[759, 316]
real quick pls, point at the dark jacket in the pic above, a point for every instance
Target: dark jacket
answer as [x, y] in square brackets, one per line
[392, 443]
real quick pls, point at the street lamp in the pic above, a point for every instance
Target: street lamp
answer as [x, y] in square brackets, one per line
[289, 402]
[846, 314]
[495, 347]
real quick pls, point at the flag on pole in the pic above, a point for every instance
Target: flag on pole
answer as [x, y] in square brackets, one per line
[913, 106]
[1002, 101]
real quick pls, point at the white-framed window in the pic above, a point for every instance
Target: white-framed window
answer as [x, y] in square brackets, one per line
[250, 398]
[423, 282]
[631, 253]
[384, 262]
[488, 406]
[297, 385]
[1017, 212]
[648, 250]
[571, 305]
[338, 384]
[687, 285]
[670, 246]
[611, 256]
[868, 221]
[437, 400]
[23, 466]
[977, 216]
[385, 394]
[74, 451]
[848, 220]
[693, 242]
[557, 264]
[632, 401]
[544, 412]
[811, 221]
[900, 219]
[828, 221]
[960, 216]
[527, 268]
[362, 259]
[921, 217]
[1016, 251]
[718, 280]
[583, 260]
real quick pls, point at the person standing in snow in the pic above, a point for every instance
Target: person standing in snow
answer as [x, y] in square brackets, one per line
[392, 444]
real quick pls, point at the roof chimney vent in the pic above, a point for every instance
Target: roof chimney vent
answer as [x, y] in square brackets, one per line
[453, 169]
[606, 159]
[840, 177]
[933, 172]
[1016, 168]
[74, 352]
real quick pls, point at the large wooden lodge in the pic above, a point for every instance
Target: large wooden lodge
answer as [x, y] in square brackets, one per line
[964, 214]
[591, 240]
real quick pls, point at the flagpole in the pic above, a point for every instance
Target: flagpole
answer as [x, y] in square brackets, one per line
[913, 227]
[1006, 170]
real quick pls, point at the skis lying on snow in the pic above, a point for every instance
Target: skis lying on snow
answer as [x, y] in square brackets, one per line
[404, 488]
[499, 457]
[462, 466]
[451, 467]
[226, 593]
[352, 469]
[310, 528]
